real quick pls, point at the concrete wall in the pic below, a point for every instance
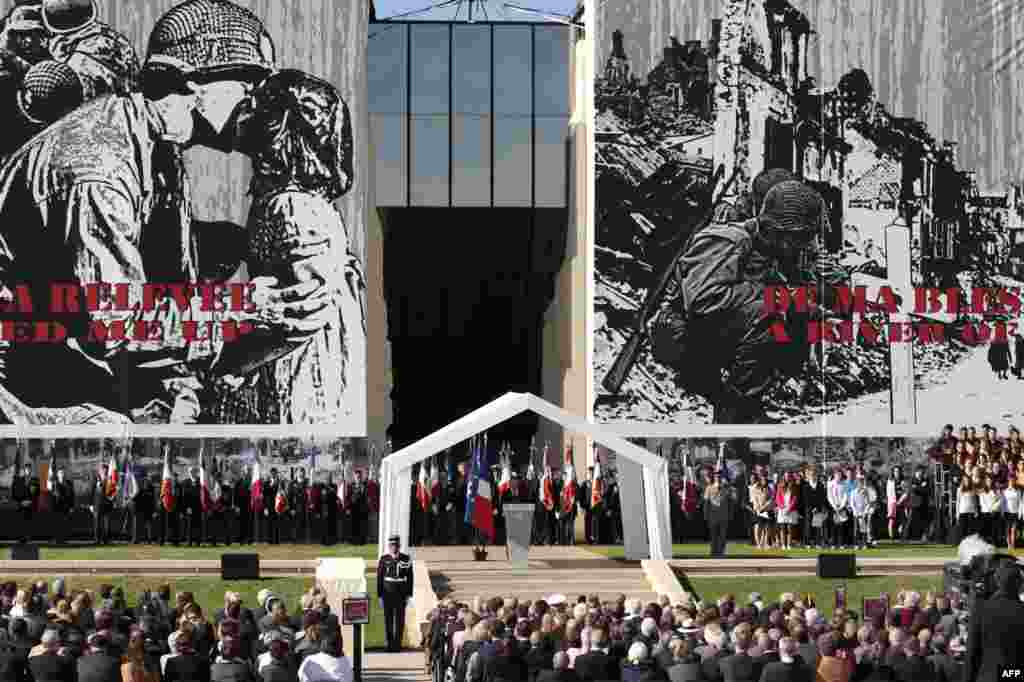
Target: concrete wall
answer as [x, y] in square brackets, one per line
[378, 349]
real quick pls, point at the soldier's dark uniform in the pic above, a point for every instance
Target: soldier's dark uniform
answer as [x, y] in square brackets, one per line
[243, 511]
[360, 511]
[143, 512]
[271, 521]
[438, 504]
[394, 585]
[461, 529]
[64, 505]
[329, 532]
[193, 511]
[23, 498]
[314, 510]
[102, 508]
[297, 508]
[227, 513]
[452, 521]
[583, 502]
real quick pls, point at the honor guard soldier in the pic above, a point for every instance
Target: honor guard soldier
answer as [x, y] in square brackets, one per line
[461, 529]
[22, 497]
[143, 511]
[193, 508]
[64, 503]
[394, 585]
[228, 506]
[272, 527]
[314, 504]
[360, 510]
[329, 496]
[243, 509]
[297, 505]
[586, 491]
[452, 521]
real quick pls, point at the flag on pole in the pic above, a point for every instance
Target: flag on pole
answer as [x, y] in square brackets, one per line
[596, 485]
[167, 482]
[281, 499]
[690, 492]
[479, 507]
[547, 485]
[112, 476]
[344, 500]
[256, 486]
[435, 481]
[506, 473]
[569, 485]
[423, 488]
[131, 480]
[204, 482]
[216, 493]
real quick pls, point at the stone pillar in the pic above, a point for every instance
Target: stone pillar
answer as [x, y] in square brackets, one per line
[902, 398]
[341, 579]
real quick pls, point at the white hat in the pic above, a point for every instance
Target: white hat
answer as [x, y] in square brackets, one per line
[555, 599]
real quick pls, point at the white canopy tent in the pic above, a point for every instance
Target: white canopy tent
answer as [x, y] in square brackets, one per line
[653, 513]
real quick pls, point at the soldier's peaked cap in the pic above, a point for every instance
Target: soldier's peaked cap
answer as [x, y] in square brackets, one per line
[395, 540]
[793, 207]
[210, 36]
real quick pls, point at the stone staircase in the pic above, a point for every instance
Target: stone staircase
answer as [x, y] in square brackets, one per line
[466, 580]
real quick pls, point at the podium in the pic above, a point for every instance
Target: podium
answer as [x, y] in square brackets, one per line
[518, 532]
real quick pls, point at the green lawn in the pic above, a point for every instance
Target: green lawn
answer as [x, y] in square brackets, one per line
[857, 589]
[747, 551]
[209, 593]
[140, 552]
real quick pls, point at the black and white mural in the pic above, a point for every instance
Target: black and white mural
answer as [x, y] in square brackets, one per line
[182, 213]
[803, 215]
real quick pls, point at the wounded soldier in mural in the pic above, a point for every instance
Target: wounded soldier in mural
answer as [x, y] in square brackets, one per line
[299, 137]
[102, 196]
[723, 347]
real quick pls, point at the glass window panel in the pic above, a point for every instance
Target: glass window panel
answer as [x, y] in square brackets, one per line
[471, 160]
[471, 69]
[513, 152]
[513, 70]
[387, 69]
[551, 75]
[429, 149]
[390, 150]
[429, 77]
[551, 189]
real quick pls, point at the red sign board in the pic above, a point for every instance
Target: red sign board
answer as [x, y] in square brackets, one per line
[355, 611]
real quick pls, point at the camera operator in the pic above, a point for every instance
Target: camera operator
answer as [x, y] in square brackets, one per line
[996, 630]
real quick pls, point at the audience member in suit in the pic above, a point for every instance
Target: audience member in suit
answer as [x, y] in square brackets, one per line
[948, 660]
[739, 666]
[50, 665]
[538, 658]
[639, 667]
[186, 665]
[996, 639]
[560, 671]
[914, 667]
[229, 666]
[686, 665]
[13, 663]
[597, 665]
[789, 667]
[99, 664]
[279, 666]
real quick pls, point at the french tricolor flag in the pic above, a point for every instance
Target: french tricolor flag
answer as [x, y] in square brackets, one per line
[256, 486]
[479, 494]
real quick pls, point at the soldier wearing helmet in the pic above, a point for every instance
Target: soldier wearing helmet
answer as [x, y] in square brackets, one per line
[722, 277]
[102, 196]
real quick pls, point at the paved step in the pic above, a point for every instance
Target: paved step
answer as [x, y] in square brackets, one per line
[404, 667]
[803, 567]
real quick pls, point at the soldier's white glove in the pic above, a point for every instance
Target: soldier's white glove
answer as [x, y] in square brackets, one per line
[448, 507]
[380, 602]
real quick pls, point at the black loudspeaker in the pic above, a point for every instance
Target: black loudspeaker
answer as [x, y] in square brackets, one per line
[240, 566]
[837, 566]
[24, 552]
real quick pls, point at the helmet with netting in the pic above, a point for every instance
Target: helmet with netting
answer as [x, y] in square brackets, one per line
[50, 90]
[211, 38]
[65, 16]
